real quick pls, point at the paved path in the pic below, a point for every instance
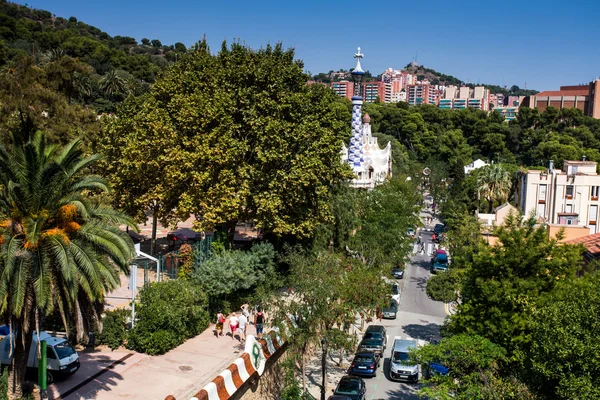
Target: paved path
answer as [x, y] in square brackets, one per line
[127, 375]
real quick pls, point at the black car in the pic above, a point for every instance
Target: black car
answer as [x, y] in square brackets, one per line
[376, 345]
[376, 331]
[398, 273]
[352, 387]
[439, 229]
[336, 397]
[365, 363]
[391, 311]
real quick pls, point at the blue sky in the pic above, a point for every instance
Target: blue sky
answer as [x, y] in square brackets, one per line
[526, 42]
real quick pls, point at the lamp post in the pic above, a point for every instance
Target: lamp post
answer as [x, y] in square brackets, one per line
[324, 367]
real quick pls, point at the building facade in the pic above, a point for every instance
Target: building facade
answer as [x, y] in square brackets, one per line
[344, 89]
[417, 94]
[458, 98]
[568, 197]
[373, 91]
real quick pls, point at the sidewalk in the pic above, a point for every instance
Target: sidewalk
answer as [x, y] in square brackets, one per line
[106, 375]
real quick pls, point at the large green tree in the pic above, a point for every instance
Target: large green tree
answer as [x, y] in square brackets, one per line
[249, 140]
[60, 244]
[564, 353]
[505, 281]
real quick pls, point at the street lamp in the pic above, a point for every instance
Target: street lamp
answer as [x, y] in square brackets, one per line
[323, 366]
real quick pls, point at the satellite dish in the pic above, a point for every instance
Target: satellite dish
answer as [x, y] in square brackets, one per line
[426, 171]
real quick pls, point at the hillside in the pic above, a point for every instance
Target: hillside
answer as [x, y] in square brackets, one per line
[101, 69]
[437, 78]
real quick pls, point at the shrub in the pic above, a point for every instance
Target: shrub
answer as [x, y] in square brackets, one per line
[169, 313]
[113, 328]
[443, 287]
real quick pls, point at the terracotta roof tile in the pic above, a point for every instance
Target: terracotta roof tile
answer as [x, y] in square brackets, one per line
[591, 243]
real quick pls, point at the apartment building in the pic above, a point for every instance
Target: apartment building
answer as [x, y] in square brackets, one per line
[568, 197]
[584, 97]
[344, 89]
[462, 97]
[420, 94]
[374, 90]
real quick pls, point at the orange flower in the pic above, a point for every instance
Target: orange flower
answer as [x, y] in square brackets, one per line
[67, 212]
[56, 232]
[5, 223]
[72, 226]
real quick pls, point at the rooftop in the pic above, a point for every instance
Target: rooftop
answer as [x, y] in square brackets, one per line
[590, 242]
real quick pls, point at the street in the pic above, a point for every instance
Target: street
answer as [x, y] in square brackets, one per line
[419, 317]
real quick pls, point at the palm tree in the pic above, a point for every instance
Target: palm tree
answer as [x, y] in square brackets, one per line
[60, 244]
[493, 184]
[113, 82]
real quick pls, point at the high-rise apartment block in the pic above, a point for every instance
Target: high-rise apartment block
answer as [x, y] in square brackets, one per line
[344, 89]
[420, 94]
[374, 91]
[462, 97]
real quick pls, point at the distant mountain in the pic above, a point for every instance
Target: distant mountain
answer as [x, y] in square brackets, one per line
[437, 78]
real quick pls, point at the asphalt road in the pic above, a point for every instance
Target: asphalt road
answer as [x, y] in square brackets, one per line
[419, 317]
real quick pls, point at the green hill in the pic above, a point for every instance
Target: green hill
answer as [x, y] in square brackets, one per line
[97, 57]
[437, 78]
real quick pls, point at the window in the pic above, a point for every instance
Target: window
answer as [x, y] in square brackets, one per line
[569, 208]
[593, 217]
[595, 190]
[542, 193]
[569, 192]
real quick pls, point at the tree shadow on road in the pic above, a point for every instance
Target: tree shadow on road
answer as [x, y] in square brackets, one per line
[429, 332]
[421, 282]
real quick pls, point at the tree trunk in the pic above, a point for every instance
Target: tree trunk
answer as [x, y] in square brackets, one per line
[153, 240]
[304, 370]
[490, 205]
[231, 230]
[18, 366]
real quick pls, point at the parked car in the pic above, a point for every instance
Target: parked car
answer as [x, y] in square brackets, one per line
[432, 369]
[376, 331]
[395, 291]
[391, 311]
[376, 345]
[439, 262]
[398, 273]
[439, 229]
[365, 363]
[401, 368]
[351, 386]
[336, 397]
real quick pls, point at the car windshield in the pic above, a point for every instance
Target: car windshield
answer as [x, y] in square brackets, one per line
[63, 350]
[442, 261]
[363, 359]
[372, 342]
[400, 356]
[394, 289]
[372, 334]
[348, 386]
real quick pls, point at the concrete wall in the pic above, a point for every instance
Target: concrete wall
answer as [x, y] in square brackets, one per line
[570, 232]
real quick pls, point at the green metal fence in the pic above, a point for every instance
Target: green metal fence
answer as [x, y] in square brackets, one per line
[170, 263]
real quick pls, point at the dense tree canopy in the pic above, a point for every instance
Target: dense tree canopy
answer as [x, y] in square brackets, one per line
[238, 136]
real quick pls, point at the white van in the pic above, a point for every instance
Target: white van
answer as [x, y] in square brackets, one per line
[62, 358]
[401, 369]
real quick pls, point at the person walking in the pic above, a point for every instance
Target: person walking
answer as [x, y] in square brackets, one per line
[220, 322]
[233, 325]
[242, 323]
[259, 320]
[245, 310]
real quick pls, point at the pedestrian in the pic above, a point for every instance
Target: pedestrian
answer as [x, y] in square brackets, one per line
[422, 251]
[379, 314]
[242, 323]
[433, 237]
[233, 325]
[259, 320]
[220, 322]
[419, 240]
[245, 307]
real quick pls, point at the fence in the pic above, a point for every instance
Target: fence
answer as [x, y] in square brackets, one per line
[170, 263]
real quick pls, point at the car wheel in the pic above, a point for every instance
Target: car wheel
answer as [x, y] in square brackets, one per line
[49, 378]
